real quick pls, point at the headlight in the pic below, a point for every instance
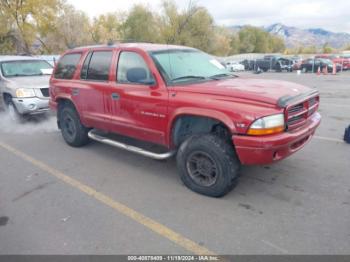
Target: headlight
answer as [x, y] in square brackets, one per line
[25, 92]
[267, 125]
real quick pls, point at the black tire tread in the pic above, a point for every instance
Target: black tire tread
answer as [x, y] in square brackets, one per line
[81, 138]
[226, 151]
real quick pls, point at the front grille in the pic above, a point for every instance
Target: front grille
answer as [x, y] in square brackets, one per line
[313, 101]
[45, 92]
[295, 119]
[295, 109]
[298, 114]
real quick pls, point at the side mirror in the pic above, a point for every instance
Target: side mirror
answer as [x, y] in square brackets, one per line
[139, 75]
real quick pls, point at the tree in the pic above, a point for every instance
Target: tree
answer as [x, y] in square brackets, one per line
[8, 36]
[221, 42]
[27, 18]
[247, 40]
[277, 44]
[72, 28]
[307, 50]
[106, 28]
[327, 49]
[194, 27]
[52, 26]
[141, 25]
[256, 40]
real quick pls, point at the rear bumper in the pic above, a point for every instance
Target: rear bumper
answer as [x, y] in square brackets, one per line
[253, 150]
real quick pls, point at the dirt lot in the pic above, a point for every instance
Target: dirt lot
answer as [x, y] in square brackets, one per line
[55, 199]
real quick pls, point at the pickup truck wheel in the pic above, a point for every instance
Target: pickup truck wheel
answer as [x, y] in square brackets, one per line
[73, 132]
[208, 165]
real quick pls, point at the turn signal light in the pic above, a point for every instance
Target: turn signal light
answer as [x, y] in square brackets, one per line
[267, 131]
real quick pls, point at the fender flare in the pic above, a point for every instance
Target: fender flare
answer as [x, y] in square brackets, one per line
[65, 97]
[193, 111]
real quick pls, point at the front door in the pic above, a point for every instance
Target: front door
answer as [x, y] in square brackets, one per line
[137, 105]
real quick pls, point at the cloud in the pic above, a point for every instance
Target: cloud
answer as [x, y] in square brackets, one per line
[330, 15]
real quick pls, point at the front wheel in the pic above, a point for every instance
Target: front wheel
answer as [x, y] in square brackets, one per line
[13, 112]
[208, 165]
[73, 131]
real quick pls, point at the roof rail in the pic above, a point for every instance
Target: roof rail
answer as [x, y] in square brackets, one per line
[111, 43]
[91, 46]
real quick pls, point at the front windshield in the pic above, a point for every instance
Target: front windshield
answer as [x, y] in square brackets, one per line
[25, 68]
[188, 65]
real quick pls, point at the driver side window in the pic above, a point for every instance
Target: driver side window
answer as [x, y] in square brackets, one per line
[133, 69]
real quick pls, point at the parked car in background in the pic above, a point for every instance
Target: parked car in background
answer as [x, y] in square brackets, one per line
[283, 64]
[276, 63]
[52, 59]
[24, 85]
[248, 64]
[234, 66]
[342, 60]
[315, 64]
[296, 61]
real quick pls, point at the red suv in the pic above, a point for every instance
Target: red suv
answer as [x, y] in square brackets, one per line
[161, 101]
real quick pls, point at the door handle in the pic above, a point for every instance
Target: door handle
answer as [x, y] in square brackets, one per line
[115, 96]
[75, 91]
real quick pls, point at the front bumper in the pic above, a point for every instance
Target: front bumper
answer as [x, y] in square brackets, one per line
[254, 150]
[32, 105]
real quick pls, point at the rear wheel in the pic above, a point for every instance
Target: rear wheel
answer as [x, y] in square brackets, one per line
[208, 165]
[73, 131]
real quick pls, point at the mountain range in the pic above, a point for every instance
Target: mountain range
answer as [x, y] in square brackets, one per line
[295, 37]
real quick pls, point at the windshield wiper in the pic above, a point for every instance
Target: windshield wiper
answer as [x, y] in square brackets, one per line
[219, 76]
[188, 77]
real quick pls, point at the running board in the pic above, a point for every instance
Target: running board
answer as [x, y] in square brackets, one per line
[98, 137]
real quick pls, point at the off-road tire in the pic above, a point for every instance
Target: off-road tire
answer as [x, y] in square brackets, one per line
[222, 154]
[73, 131]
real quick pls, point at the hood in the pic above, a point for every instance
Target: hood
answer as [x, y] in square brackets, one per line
[259, 90]
[30, 81]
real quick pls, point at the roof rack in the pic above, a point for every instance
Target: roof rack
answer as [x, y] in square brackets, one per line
[112, 43]
[91, 46]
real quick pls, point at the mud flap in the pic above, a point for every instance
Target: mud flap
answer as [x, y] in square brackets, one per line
[347, 135]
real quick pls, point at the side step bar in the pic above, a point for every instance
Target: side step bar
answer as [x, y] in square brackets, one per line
[97, 137]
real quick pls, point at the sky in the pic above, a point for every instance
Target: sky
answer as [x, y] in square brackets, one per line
[333, 15]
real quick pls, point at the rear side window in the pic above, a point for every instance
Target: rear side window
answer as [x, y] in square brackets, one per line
[84, 70]
[67, 65]
[97, 65]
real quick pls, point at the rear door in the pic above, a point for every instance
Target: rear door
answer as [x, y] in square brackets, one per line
[137, 102]
[94, 80]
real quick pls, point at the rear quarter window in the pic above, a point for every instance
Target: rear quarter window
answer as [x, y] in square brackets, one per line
[67, 65]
